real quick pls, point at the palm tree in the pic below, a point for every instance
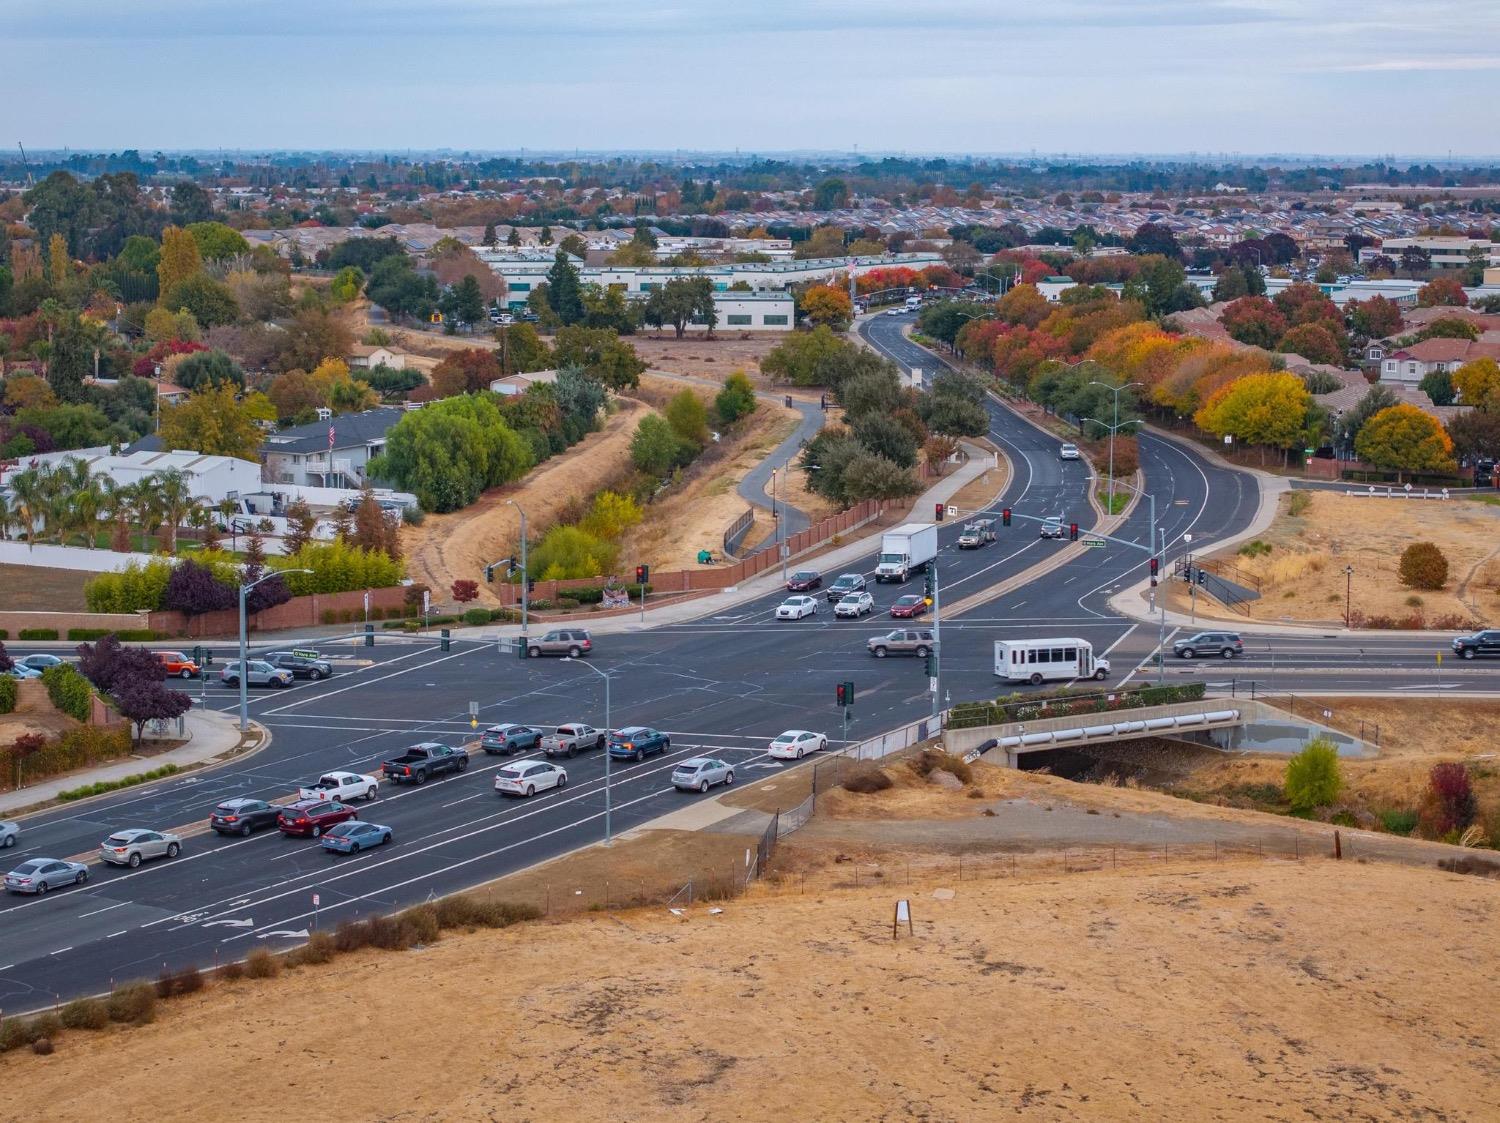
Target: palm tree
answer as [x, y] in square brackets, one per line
[66, 484]
[30, 488]
[145, 508]
[115, 504]
[174, 498]
[7, 516]
[87, 503]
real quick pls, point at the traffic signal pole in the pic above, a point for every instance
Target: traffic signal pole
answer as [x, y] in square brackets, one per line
[937, 647]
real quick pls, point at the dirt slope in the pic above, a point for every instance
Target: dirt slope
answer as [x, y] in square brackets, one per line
[1242, 991]
[446, 548]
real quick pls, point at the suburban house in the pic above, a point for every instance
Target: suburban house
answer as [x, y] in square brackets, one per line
[1409, 365]
[513, 384]
[328, 453]
[209, 478]
[364, 355]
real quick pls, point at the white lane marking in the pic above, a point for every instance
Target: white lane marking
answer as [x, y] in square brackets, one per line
[59, 951]
[360, 685]
[96, 912]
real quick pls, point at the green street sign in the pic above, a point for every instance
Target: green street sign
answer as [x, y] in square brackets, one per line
[1094, 543]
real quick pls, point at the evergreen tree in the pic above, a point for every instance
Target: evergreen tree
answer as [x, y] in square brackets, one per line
[564, 293]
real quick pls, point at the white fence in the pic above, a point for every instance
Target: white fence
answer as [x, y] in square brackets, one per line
[68, 557]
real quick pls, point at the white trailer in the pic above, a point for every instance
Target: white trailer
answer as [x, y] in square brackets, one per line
[1046, 660]
[906, 550]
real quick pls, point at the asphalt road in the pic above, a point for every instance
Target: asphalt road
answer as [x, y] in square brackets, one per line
[721, 686]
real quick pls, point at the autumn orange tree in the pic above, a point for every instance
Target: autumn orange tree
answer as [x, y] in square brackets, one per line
[1442, 291]
[1478, 384]
[827, 305]
[1269, 410]
[1404, 439]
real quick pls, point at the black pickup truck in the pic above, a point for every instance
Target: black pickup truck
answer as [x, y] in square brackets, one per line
[424, 760]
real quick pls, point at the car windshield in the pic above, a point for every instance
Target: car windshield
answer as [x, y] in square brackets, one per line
[803, 576]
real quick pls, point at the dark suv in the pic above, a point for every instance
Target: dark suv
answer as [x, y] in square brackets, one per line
[302, 664]
[1486, 642]
[1224, 644]
[241, 816]
[846, 583]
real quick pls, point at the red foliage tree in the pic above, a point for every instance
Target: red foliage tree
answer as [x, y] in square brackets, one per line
[1254, 320]
[465, 591]
[1442, 291]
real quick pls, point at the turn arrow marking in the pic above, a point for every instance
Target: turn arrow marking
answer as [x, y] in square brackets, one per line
[300, 934]
[231, 923]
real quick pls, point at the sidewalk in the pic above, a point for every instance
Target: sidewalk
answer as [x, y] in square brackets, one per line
[212, 735]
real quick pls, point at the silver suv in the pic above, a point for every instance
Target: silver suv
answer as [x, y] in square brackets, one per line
[976, 534]
[572, 642]
[260, 673]
[902, 641]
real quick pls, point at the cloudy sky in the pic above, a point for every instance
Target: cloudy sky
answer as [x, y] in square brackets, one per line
[1111, 76]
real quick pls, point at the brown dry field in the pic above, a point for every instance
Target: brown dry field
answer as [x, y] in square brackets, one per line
[1414, 734]
[1240, 990]
[31, 588]
[1304, 574]
[446, 548]
[34, 713]
[697, 355]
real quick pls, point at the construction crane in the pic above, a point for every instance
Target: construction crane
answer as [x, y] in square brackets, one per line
[25, 163]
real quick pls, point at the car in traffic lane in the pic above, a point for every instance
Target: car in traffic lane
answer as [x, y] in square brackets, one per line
[804, 581]
[909, 606]
[342, 786]
[794, 744]
[795, 608]
[1485, 643]
[177, 665]
[132, 847]
[258, 673]
[312, 817]
[508, 737]
[636, 742]
[854, 606]
[845, 584]
[243, 816]
[527, 777]
[40, 875]
[9, 833]
[1227, 645]
[1068, 452]
[39, 662]
[301, 664]
[701, 773]
[352, 836]
[1053, 528]
[572, 642]
[902, 641]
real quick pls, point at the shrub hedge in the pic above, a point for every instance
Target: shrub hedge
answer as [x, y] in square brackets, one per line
[7, 694]
[38, 633]
[969, 715]
[69, 690]
[102, 786]
[126, 635]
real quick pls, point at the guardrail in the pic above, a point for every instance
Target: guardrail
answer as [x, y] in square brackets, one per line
[735, 532]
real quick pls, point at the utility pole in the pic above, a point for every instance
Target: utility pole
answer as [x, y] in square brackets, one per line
[937, 697]
[525, 576]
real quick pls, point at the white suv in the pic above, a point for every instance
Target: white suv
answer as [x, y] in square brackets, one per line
[1068, 452]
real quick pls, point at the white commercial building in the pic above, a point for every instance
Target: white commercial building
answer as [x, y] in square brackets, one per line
[1443, 251]
[523, 276]
[209, 478]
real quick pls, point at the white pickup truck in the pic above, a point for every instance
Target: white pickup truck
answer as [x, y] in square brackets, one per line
[568, 739]
[342, 786]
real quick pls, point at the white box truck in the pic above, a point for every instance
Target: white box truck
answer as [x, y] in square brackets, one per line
[906, 550]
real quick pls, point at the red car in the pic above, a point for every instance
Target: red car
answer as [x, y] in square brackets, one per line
[803, 581]
[311, 817]
[909, 606]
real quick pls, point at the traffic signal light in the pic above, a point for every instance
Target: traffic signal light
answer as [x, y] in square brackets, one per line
[845, 693]
[642, 574]
[929, 586]
[932, 663]
[1154, 567]
[938, 514]
[1005, 517]
[1073, 532]
[1202, 576]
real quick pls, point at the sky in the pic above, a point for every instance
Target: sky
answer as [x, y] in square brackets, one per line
[1312, 77]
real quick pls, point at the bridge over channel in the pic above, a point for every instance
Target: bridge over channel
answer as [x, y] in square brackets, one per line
[1232, 724]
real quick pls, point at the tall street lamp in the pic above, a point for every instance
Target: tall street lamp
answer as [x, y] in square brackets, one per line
[525, 576]
[244, 675]
[609, 836]
[1113, 429]
[1348, 591]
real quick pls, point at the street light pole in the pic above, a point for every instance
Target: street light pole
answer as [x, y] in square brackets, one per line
[244, 675]
[525, 577]
[609, 836]
[1115, 390]
[780, 517]
[1348, 591]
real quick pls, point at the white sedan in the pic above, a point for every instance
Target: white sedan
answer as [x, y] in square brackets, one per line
[527, 777]
[794, 744]
[795, 608]
[1068, 452]
[854, 605]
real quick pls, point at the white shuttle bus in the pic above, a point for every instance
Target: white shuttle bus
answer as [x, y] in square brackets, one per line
[1042, 660]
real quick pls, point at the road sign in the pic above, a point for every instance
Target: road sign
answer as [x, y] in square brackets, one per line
[473, 709]
[315, 900]
[1094, 543]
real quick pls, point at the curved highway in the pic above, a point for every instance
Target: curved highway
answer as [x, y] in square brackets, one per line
[721, 686]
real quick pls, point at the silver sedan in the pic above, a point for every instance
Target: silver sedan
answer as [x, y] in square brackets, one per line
[132, 847]
[41, 874]
[9, 832]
